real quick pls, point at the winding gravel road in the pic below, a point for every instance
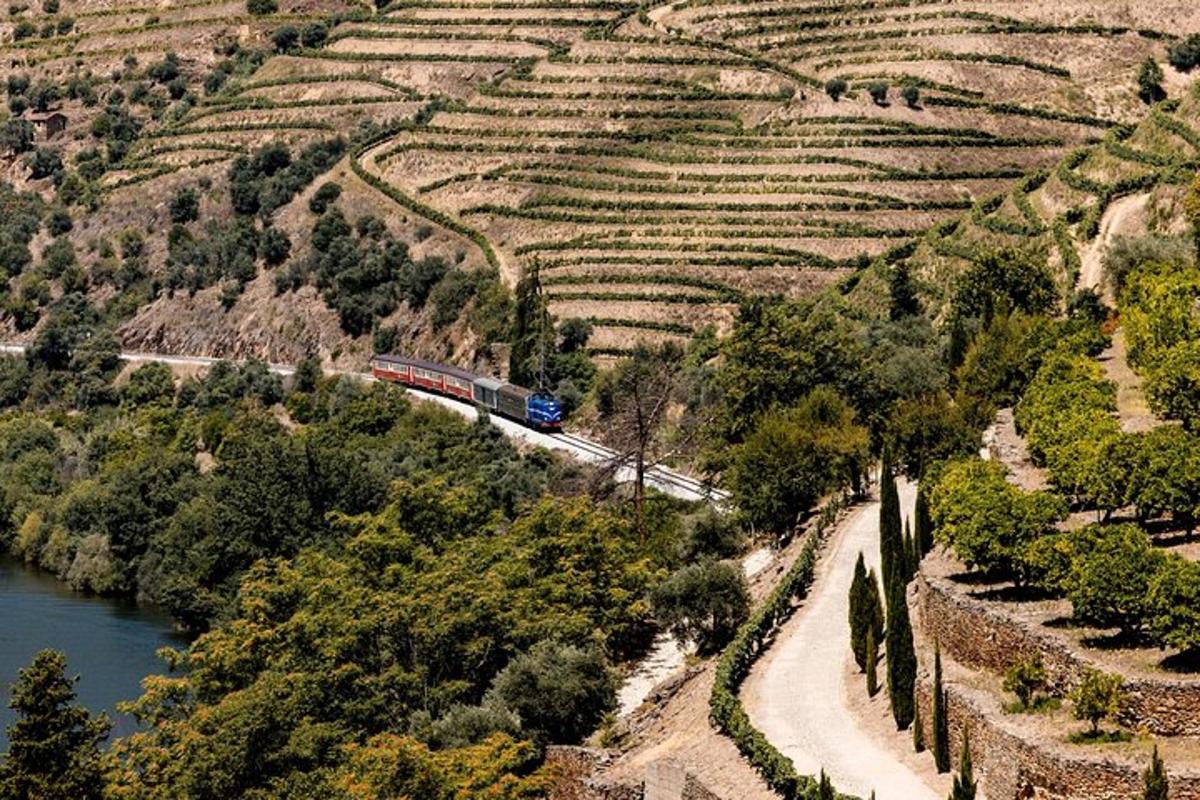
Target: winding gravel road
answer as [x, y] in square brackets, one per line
[799, 696]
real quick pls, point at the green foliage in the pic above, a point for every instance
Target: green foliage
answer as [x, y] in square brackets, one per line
[1097, 697]
[891, 534]
[964, 782]
[1110, 581]
[703, 603]
[866, 612]
[912, 95]
[879, 93]
[261, 8]
[1008, 279]
[1184, 55]
[835, 88]
[872, 660]
[940, 722]
[901, 656]
[1174, 603]
[1154, 779]
[185, 206]
[1127, 254]
[323, 197]
[1149, 81]
[794, 456]
[54, 745]
[266, 180]
[560, 692]
[987, 521]
[1025, 679]
[902, 293]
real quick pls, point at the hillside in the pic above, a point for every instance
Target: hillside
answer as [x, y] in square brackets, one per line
[656, 163]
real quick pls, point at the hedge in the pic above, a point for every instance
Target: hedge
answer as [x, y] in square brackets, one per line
[750, 642]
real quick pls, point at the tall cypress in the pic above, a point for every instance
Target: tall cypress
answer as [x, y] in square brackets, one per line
[891, 544]
[924, 523]
[901, 658]
[874, 602]
[825, 788]
[964, 782]
[941, 729]
[1155, 779]
[918, 729]
[872, 664]
[860, 619]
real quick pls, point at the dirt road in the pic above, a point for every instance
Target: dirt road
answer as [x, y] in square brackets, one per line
[799, 695]
[1119, 218]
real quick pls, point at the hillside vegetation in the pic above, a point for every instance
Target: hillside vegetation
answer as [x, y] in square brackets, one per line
[657, 164]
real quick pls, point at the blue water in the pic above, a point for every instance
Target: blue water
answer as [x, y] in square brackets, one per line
[110, 644]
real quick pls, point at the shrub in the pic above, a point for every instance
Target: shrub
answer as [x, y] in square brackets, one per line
[1097, 698]
[274, 246]
[1174, 603]
[261, 7]
[1185, 54]
[325, 194]
[879, 93]
[835, 88]
[1149, 81]
[418, 279]
[285, 38]
[1110, 582]
[1025, 679]
[703, 603]
[314, 34]
[911, 95]
[44, 163]
[559, 691]
[185, 206]
[1125, 254]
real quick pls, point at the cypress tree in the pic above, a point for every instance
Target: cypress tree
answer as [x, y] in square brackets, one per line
[54, 746]
[911, 559]
[964, 782]
[903, 293]
[901, 658]
[956, 350]
[874, 606]
[891, 543]
[860, 613]
[825, 788]
[1155, 779]
[941, 730]
[924, 523]
[918, 730]
[872, 664]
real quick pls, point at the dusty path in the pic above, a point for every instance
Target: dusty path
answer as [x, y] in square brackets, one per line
[1119, 218]
[799, 695]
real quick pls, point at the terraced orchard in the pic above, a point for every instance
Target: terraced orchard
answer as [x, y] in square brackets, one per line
[657, 164]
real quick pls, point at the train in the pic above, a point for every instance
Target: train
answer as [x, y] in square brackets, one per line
[538, 410]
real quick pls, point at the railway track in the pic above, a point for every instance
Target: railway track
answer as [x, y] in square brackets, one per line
[661, 478]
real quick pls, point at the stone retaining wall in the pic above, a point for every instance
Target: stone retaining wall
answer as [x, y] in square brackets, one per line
[980, 635]
[580, 778]
[1008, 767]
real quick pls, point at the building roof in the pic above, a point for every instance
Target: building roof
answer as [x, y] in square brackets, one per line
[45, 117]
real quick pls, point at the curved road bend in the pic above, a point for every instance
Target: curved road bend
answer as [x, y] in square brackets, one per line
[798, 695]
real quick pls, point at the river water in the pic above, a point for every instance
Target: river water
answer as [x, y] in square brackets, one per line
[109, 643]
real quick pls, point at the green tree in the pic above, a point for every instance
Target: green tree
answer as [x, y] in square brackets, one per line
[1154, 779]
[866, 611]
[1025, 678]
[901, 658]
[986, 520]
[1174, 603]
[1149, 81]
[560, 691]
[902, 293]
[150, 384]
[794, 456]
[1097, 697]
[54, 745]
[825, 789]
[912, 95]
[835, 88]
[532, 333]
[891, 534]
[1007, 278]
[964, 781]
[703, 603]
[941, 724]
[879, 93]
[1110, 581]
[872, 664]
[923, 525]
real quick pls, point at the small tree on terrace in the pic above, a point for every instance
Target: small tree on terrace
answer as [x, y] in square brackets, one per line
[1149, 81]
[835, 88]
[911, 95]
[1097, 697]
[1174, 603]
[879, 93]
[1154, 779]
[1110, 582]
[1025, 678]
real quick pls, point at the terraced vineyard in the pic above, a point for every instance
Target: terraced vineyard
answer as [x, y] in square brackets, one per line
[659, 163]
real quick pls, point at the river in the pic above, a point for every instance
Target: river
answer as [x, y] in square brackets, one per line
[109, 643]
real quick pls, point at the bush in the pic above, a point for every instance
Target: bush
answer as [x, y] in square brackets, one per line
[911, 95]
[185, 206]
[879, 93]
[274, 246]
[835, 88]
[1125, 254]
[1025, 679]
[1149, 81]
[418, 279]
[149, 384]
[1097, 697]
[1174, 603]
[560, 692]
[1185, 54]
[285, 38]
[703, 603]
[261, 7]
[44, 163]
[325, 194]
[314, 34]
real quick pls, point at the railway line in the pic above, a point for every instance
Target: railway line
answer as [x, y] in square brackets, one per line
[661, 478]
